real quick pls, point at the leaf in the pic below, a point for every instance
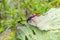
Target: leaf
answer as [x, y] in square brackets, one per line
[39, 34]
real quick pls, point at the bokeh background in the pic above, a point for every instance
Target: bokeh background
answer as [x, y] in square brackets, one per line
[14, 13]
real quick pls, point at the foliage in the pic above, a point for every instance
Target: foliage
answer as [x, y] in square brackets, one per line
[33, 33]
[12, 11]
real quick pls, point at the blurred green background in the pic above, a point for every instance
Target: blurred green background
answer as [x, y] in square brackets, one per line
[14, 11]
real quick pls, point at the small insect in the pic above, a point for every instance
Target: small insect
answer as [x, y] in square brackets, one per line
[31, 20]
[31, 17]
